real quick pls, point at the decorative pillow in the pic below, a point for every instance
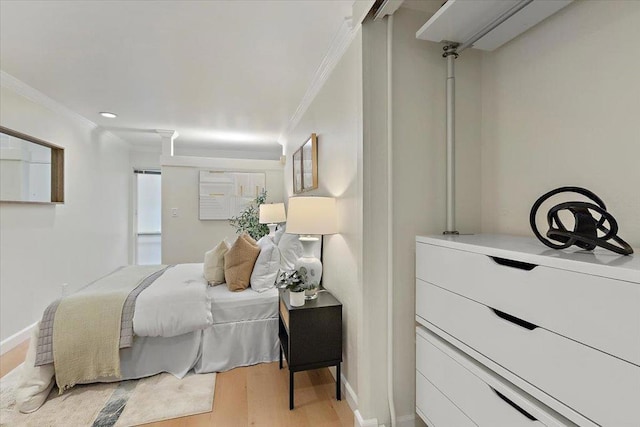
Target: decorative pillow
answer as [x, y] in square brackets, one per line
[239, 262]
[214, 264]
[265, 272]
[290, 250]
[278, 234]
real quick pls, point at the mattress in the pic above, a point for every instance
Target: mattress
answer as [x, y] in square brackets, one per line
[244, 306]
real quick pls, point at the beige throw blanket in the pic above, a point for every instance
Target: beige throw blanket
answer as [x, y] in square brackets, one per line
[86, 328]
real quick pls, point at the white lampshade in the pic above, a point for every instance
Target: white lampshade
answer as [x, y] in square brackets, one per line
[272, 213]
[312, 215]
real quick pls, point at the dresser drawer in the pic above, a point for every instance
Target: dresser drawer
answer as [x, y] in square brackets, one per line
[461, 380]
[435, 409]
[598, 386]
[597, 311]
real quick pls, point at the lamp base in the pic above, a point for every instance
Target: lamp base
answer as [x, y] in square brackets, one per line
[310, 294]
[313, 267]
[311, 264]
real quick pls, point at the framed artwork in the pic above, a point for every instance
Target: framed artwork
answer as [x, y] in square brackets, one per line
[305, 166]
[297, 171]
[32, 169]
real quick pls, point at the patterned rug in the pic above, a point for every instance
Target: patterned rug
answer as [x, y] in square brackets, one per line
[126, 403]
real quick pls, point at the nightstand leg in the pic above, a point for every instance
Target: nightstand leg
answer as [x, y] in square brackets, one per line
[290, 390]
[338, 389]
[280, 357]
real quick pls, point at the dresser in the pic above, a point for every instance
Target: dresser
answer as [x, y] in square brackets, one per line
[310, 336]
[513, 333]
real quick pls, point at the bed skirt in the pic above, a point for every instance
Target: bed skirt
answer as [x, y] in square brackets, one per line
[230, 345]
[219, 348]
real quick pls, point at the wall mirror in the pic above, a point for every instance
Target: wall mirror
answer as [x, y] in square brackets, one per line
[305, 166]
[31, 170]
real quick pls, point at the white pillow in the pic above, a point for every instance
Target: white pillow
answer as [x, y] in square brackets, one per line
[278, 235]
[290, 250]
[267, 266]
[214, 264]
[36, 381]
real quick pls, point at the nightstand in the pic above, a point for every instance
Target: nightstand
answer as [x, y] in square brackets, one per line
[311, 336]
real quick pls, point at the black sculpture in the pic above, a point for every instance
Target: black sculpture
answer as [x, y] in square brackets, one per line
[585, 230]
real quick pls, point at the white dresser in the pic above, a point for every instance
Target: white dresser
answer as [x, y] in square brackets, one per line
[513, 333]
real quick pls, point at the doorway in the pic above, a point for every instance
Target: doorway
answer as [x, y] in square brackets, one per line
[148, 220]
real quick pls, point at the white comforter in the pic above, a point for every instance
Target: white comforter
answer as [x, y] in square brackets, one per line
[176, 303]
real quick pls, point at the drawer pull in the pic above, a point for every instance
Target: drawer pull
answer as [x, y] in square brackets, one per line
[515, 264]
[513, 319]
[513, 405]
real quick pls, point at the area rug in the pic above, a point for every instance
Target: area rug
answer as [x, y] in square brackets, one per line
[127, 403]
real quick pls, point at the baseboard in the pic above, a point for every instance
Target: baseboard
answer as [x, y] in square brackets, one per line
[358, 421]
[347, 390]
[16, 339]
[352, 401]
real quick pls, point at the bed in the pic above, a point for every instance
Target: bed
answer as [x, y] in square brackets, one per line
[211, 330]
[244, 332]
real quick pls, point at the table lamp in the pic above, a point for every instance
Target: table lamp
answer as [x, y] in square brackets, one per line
[272, 214]
[311, 217]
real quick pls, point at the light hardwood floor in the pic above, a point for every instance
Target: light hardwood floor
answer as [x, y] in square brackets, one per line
[254, 396]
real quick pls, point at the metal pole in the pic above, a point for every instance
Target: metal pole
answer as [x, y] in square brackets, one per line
[451, 55]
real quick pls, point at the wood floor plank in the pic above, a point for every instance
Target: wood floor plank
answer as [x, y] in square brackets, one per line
[254, 396]
[14, 357]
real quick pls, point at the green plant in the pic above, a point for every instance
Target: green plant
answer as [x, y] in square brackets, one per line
[248, 220]
[295, 281]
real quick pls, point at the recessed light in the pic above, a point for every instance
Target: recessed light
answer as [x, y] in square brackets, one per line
[108, 115]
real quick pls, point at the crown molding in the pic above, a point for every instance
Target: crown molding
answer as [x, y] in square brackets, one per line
[21, 88]
[341, 41]
[167, 133]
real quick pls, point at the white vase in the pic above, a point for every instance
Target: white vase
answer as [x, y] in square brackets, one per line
[296, 299]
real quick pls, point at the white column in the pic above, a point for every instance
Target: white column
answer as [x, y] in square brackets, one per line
[168, 138]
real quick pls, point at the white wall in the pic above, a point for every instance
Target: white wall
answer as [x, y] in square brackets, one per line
[372, 376]
[335, 115]
[44, 246]
[145, 159]
[560, 106]
[418, 191]
[419, 99]
[349, 115]
[185, 238]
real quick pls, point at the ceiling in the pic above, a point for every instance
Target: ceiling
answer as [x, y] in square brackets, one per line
[221, 73]
[429, 6]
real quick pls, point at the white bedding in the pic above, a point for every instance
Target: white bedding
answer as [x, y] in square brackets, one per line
[175, 304]
[229, 307]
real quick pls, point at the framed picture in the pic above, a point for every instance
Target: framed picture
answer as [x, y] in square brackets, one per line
[305, 166]
[297, 171]
[310, 163]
